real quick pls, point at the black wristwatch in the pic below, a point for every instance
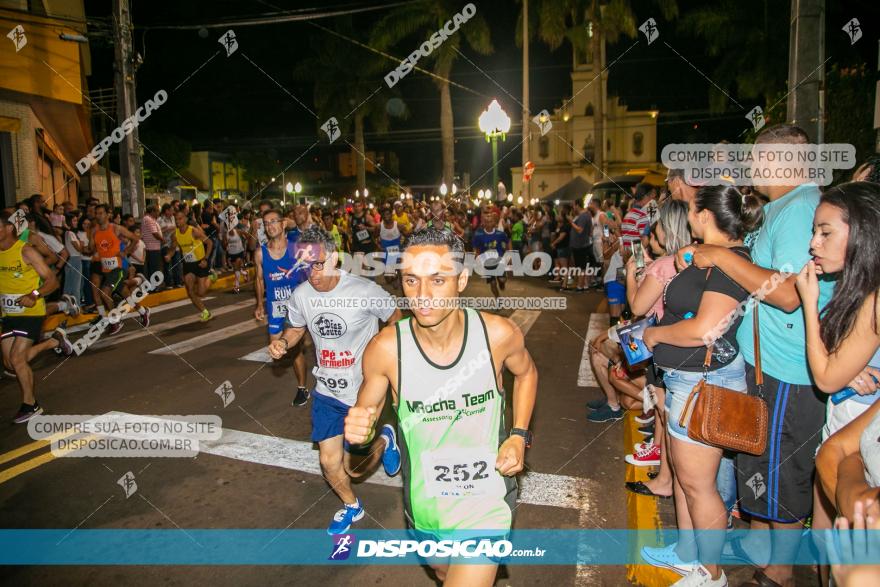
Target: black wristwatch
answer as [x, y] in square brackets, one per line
[527, 435]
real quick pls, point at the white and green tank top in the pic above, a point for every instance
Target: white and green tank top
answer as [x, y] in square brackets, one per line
[451, 421]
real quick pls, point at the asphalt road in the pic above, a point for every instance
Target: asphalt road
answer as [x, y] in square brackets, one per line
[581, 463]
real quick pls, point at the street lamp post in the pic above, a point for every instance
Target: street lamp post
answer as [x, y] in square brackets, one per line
[494, 122]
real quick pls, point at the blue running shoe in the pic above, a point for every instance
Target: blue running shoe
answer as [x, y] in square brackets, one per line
[391, 455]
[344, 518]
[606, 414]
[666, 557]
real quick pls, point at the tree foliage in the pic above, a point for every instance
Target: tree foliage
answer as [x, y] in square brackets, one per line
[165, 156]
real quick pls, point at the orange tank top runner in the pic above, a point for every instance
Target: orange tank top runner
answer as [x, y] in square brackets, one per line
[108, 248]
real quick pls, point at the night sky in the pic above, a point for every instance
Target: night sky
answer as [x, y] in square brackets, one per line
[229, 105]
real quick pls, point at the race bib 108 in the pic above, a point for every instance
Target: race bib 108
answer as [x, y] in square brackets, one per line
[9, 304]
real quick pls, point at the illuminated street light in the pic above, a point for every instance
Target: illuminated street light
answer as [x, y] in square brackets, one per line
[519, 200]
[298, 188]
[443, 189]
[357, 193]
[509, 197]
[366, 192]
[488, 194]
[481, 194]
[494, 122]
[454, 189]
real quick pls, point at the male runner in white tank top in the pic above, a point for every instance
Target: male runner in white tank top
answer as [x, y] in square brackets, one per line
[444, 367]
[342, 312]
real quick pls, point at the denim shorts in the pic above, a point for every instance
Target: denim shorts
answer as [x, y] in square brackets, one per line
[679, 385]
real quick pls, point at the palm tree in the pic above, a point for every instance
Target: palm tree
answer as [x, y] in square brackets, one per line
[345, 88]
[748, 39]
[587, 25]
[417, 22]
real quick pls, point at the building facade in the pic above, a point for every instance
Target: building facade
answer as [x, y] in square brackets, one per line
[216, 173]
[568, 146]
[44, 119]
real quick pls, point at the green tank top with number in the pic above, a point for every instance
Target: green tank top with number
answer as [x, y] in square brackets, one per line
[451, 422]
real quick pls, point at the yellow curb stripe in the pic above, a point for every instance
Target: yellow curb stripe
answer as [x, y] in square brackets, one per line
[642, 514]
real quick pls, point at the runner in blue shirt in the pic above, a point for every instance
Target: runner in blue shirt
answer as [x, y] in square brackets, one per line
[490, 244]
[277, 275]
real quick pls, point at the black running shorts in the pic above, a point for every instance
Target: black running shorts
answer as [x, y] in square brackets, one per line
[29, 327]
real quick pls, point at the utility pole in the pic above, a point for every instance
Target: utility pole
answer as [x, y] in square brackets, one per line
[806, 69]
[130, 168]
[526, 129]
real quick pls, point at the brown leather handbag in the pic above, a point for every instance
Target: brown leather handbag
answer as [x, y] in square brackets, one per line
[728, 419]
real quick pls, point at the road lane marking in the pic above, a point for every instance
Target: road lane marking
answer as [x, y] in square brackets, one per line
[535, 488]
[598, 323]
[153, 311]
[544, 489]
[12, 472]
[211, 337]
[525, 319]
[258, 356]
[30, 464]
[36, 445]
[165, 326]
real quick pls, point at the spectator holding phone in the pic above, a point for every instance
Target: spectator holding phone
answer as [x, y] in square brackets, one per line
[645, 296]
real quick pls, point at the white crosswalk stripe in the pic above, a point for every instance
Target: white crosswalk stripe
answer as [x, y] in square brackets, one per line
[258, 356]
[535, 488]
[153, 311]
[598, 323]
[211, 337]
[165, 326]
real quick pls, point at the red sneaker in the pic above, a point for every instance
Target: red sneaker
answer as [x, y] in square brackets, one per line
[647, 457]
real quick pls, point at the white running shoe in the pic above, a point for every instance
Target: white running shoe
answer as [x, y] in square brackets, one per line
[667, 558]
[700, 577]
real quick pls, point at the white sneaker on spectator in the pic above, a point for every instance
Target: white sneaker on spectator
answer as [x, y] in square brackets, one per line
[645, 418]
[700, 577]
[643, 445]
[667, 558]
